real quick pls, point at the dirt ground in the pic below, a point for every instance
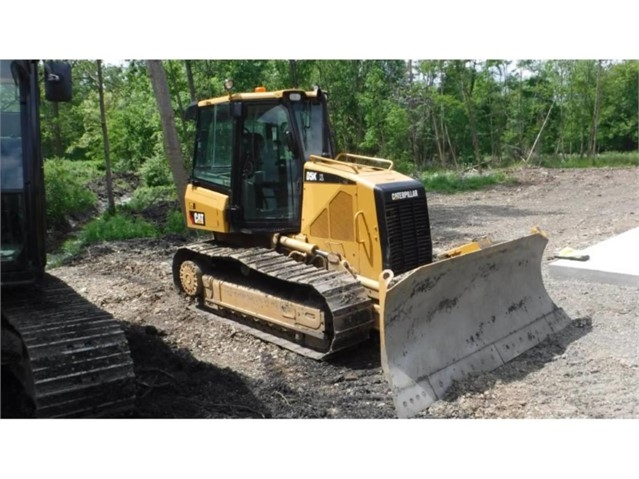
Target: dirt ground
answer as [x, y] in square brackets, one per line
[192, 366]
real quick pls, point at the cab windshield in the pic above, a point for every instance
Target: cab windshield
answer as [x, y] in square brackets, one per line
[309, 118]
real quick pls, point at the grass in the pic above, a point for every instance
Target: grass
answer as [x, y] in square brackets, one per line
[107, 227]
[175, 223]
[603, 160]
[67, 194]
[119, 226]
[116, 227]
[454, 182]
[146, 196]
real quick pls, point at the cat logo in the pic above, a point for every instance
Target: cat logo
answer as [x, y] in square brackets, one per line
[197, 218]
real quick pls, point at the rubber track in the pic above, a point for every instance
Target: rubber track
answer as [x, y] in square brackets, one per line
[343, 297]
[79, 355]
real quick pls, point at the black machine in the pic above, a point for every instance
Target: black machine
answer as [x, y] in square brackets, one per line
[61, 355]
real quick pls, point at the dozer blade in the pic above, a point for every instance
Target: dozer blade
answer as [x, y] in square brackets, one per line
[461, 316]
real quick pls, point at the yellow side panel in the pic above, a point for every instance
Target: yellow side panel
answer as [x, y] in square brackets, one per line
[205, 209]
[319, 226]
[367, 233]
[341, 218]
[342, 225]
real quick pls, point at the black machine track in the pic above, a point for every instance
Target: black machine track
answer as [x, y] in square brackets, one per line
[347, 307]
[78, 355]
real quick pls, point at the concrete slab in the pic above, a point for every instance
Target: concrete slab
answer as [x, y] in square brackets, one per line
[613, 261]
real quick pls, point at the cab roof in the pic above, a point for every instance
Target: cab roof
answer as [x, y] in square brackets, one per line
[252, 96]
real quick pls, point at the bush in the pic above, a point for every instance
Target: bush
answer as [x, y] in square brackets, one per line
[453, 182]
[65, 192]
[146, 196]
[608, 159]
[155, 172]
[175, 223]
[115, 227]
[108, 227]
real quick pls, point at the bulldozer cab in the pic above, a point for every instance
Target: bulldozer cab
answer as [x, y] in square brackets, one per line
[252, 148]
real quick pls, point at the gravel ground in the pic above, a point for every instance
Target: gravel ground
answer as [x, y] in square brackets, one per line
[192, 366]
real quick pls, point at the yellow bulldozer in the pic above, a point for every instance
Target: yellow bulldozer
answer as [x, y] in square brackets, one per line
[315, 251]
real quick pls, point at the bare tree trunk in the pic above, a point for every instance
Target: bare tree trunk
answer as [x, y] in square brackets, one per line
[292, 72]
[173, 75]
[171, 140]
[468, 85]
[411, 112]
[359, 86]
[560, 150]
[496, 112]
[450, 145]
[532, 150]
[443, 129]
[491, 128]
[105, 141]
[189, 79]
[438, 141]
[445, 140]
[520, 113]
[57, 133]
[595, 116]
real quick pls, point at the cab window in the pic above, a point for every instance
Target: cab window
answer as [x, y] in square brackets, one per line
[214, 146]
[270, 173]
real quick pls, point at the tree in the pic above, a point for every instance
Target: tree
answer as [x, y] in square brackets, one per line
[592, 143]
[467, 72]
[190, 81]
[620, 100]
[421, 113]
[57, 130]
[135, 130]
[105, 140]
[171, 140]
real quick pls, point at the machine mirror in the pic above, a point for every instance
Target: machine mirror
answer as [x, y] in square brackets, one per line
[57, 81]
[191, 112]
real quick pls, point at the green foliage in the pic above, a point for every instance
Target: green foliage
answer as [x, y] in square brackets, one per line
[71, 248]
[619, 116]
[84, 171]
[66, 193]
[603, 160]
[156, 172]
[134, 122]
[118, 226]
[419, 113]
[146, 196]
[107, 227]
[453, 182]
[175, 223]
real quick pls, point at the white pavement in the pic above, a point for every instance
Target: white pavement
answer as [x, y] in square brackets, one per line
[613, 261]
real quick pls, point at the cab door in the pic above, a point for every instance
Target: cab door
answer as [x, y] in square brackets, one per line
[268, 192]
